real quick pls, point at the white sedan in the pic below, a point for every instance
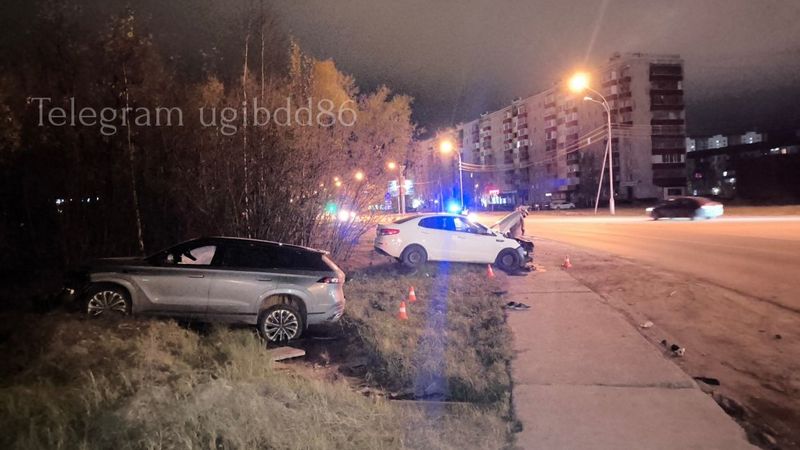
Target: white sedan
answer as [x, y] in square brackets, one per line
[449, 237]
[569, 205]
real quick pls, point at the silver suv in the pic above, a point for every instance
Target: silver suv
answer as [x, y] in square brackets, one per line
[280, 288]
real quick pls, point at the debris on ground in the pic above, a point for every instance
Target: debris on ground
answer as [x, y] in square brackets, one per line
[708, 380]
[283, 353]
[778, 336]
[378, 306]
[647, 324]
[326, 338]
[516, 306]
[672, 293]
[675, 349]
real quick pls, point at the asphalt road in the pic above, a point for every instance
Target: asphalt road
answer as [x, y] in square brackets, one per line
[756, 256]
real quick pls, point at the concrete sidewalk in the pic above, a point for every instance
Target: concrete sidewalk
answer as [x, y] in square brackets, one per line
[584, 378]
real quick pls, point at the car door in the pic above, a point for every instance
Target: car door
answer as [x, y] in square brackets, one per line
[474, 244]
[245, 274]
[177, 282]
[669, 208]
[437, 236]
[690, 207]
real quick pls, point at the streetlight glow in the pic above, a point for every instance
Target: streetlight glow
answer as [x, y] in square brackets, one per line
[359, 175]
[391, 165]
[446, 146]
[579, 82]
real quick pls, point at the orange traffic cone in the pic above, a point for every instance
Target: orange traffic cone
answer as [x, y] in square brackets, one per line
[489, 271]
[412, 297]
[401, 314]
[566, 264]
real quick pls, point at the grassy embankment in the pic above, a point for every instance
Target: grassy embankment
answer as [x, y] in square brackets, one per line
[68, 382]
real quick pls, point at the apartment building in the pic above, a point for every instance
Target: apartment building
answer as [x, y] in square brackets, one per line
[755, 166]
[549, 147]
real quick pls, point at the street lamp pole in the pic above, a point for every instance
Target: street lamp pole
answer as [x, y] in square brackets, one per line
[609, 152]
[460, 179]
[401, 184]
[446, 146]
[401, 187]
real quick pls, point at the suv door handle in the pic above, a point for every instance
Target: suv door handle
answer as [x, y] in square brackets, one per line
[197, 276]
[263, 279]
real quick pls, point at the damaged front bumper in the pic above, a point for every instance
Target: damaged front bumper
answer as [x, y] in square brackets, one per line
[526, 248]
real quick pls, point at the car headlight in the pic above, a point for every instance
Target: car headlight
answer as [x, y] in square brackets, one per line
[650, 209]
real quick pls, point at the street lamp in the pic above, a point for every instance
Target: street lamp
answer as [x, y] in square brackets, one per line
[359, 176]
[578, 84]
[446, 146]
[401, 184]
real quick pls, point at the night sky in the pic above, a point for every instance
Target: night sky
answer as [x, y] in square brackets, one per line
[460, 58]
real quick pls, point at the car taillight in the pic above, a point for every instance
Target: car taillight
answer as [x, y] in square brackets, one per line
[330, 280]
[388, 231]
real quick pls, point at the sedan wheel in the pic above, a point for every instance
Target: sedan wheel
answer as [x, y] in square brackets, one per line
[280, 323]
[414, 256]
[508, 260]
[107, 301]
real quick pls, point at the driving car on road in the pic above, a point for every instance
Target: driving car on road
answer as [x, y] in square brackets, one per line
[689, 207]
[568, 205]
[449, 237]
[277, 287]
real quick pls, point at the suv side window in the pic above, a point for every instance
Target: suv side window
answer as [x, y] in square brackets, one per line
[298, 259]
[197, 254]
[267, 256]
[249, 256]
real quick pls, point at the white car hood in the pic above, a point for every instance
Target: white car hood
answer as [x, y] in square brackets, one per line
[504, 225]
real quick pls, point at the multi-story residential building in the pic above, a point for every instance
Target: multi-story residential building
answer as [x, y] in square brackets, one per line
[722, 141]
[751, 166]
[549, 146]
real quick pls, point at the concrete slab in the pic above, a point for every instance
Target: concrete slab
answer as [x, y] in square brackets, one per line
[600, 417]
[537, 285]
[575, 339]
[283, 353]
[539, 279]
[586, 378]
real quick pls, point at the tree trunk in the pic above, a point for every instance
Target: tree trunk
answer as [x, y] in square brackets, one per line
[132, 162]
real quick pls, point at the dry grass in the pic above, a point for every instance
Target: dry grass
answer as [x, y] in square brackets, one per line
[456, 339]
[150, 384]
